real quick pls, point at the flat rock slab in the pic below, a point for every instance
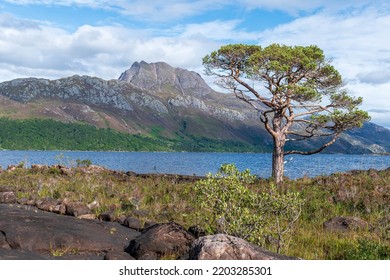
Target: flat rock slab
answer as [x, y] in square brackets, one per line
[28, 231]
[20, 255]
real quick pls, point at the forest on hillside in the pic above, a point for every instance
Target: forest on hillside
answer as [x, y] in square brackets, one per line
[46, 134]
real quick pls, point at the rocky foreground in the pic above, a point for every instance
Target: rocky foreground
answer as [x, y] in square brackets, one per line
[28, 233]
[53, 220]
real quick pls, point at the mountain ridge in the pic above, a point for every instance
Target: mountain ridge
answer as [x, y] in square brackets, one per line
[153, 76]
[154, 99]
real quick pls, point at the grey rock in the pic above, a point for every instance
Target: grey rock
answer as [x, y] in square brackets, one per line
[77, 209]
[59, 209]
[107, 216]
[346, 224]
[38, 233]
[39, 167]
[81, 88]
[120, 220]
[161, 241]
[8, 197]
[156, 76]
[133, 223]
[23, 200]
[147, 101]
[188, 102]
[19, 254]
[48, 204]
[226, 247]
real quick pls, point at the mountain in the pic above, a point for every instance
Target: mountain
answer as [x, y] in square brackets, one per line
[160, 77]
[158, 101]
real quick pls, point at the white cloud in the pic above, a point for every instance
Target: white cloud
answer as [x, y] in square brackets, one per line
[104, 51]
[381, 75]
[353, 33]
[218, 31]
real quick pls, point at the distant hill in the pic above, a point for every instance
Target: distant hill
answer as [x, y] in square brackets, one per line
[158, 101]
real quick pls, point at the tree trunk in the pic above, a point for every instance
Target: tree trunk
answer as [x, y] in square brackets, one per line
[278, 158]
[278, 151]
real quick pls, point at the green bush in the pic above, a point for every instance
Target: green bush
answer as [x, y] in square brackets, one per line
[84, 162]
[360, 249]
[228, 203]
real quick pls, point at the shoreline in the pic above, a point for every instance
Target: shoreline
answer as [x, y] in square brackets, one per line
[199, 163]
[194, 152]
[352, 203]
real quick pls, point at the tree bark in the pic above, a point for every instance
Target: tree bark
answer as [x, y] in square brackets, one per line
[278, 159]
[279, 137]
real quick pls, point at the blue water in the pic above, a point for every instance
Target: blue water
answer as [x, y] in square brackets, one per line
[200, 163]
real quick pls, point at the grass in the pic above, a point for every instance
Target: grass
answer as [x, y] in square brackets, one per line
[59, 252]
[364, 194]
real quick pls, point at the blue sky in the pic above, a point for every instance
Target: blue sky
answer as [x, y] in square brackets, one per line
[58, 38]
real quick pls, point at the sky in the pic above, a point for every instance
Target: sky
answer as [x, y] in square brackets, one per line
[59, 38]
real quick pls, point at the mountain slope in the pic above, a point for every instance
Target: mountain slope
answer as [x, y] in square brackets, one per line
[159, 101]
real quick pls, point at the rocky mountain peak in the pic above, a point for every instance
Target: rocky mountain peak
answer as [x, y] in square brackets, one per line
[162, 77]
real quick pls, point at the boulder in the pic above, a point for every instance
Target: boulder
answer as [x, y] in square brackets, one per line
[8, 197]
[35, 232]
[226, 247]
[77, 209]
[65, 171]
[346, 224]
[22, 200]
[131, 174]
[87, 216]
[93, 169]
[132, 222]
[39, 167]
[11, 168]
[48, 204]
[93, 205]
[161, 241]
[60, 209]
[107, 216]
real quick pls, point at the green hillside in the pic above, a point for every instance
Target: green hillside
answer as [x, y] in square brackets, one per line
[46, 134]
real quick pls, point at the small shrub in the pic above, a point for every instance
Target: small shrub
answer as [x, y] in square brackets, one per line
[21, 164]
[361, 249]
[228, 205]
[369, 250]
[84, 162]
[54, 170]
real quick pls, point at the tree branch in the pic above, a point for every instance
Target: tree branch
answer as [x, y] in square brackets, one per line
[305, 137]
[252, 90]
[314, 151]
